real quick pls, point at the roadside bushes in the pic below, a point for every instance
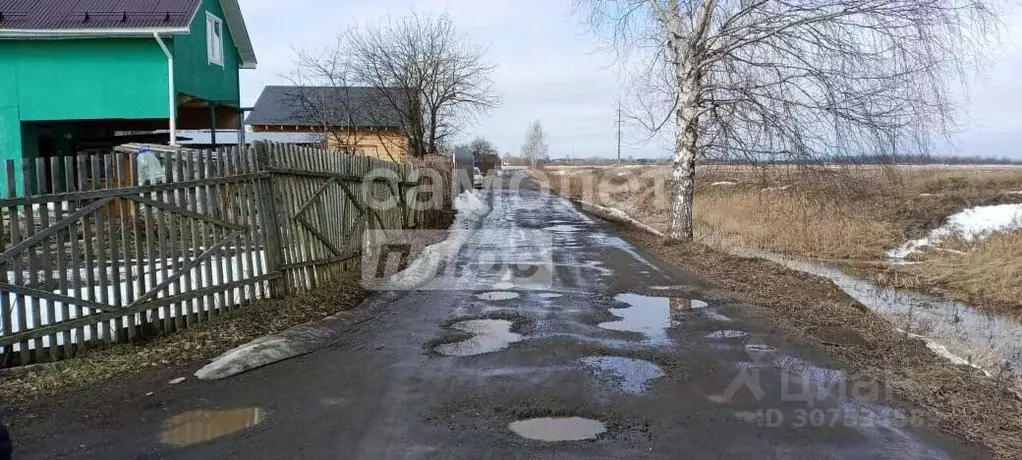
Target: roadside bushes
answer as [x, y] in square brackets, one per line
[435, 195]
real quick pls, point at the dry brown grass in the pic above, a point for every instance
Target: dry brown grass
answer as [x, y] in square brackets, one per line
[844, 216]
[991, 269]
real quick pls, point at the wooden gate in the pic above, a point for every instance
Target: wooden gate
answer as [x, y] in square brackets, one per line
[90, 261]
[325, 203]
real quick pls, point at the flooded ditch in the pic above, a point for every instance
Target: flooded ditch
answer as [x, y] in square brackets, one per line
[955, 330]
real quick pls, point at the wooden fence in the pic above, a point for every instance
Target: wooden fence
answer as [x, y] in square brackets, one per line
[90, 256]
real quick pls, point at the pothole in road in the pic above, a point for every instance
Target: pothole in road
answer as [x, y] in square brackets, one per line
[200, 426]
[727, 335]
[650, 316]
[497, 295]
[489, 335]
[563, 228]
[630, 375]
[552, 429]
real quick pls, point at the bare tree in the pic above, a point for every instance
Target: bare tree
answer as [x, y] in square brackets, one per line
[321, 97]
[447, 77]
[536, 146]
[794, 80]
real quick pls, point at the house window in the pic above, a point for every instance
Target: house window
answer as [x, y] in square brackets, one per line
[214, 39]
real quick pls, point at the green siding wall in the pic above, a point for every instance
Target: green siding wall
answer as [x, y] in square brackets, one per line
[102, 79]
[48, 80]
[88, 79]
[193, 74]
[10, 146]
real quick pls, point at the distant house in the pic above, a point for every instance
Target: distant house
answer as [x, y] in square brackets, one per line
[356, 120]
[74, 74]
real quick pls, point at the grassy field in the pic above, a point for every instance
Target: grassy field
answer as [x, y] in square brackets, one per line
[848, 217]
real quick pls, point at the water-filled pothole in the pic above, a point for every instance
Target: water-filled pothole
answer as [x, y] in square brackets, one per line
[558, 429]
[630, 375]
[563, 228]
[490, 335]
[206, 425]
[650, 316]
[726, 335]
[497, 295]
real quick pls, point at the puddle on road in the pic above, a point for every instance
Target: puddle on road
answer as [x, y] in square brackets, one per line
[650, 316]
[726, 335]
[497, 295]
[558, 429]
[630, 375]
[490, 335]
[550, 295]
[200, 426]
[563, 228]
[807, 370]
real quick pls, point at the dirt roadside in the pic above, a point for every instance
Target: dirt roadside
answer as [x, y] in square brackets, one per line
[816, 313]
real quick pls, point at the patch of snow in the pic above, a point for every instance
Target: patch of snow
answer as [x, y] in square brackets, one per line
[776, 189]
[723, 183]
[177, 381]
[471, 209]
[943, 352]
[1015, 192]
[973, 224]
[296, 341]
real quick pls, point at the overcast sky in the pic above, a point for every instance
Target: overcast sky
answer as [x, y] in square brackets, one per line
[549, 68]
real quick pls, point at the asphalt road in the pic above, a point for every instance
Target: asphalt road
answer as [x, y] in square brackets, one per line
[546, 315]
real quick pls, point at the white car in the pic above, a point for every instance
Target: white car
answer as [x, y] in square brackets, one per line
[477, 178]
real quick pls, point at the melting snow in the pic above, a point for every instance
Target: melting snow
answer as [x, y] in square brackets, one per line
[972, 224]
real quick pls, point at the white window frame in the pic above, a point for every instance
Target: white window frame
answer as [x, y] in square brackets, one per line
[213, 23]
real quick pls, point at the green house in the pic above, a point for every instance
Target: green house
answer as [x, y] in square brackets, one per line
[84, 75]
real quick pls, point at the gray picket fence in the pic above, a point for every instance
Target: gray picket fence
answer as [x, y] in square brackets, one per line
[91, 256]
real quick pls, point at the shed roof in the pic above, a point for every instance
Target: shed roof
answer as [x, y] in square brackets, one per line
[27, 19]
[349, 106]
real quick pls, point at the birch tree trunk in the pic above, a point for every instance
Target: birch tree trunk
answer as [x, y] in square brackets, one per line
[683, 170]
[683, 41]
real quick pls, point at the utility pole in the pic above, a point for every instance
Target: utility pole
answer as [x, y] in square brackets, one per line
[619, 132]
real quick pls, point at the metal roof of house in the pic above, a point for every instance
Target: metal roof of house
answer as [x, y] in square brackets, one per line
[106, 18]
[352, 106]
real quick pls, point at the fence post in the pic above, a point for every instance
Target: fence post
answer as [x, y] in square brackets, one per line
[269, 220]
